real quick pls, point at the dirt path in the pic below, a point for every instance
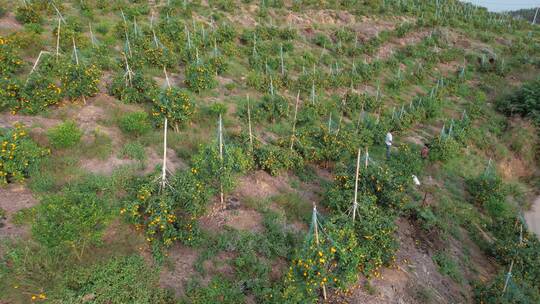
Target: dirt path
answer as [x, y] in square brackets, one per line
[532, 217]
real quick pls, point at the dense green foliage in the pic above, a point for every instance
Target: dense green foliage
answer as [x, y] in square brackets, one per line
[18, 154]
[135, 123]
[82, 215]
[119, 280]
[524, 102]
[64, 135]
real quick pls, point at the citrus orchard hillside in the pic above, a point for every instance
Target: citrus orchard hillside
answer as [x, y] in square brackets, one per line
[219, 151]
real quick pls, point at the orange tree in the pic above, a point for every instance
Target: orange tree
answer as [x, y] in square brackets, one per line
[18, 153]
[312, 268]
[176, 105]
[200, 76]
[9, 92]
[167, 214]
[40, 92]
[215, 172]
[9, 59]
[379, 181]
[80, 80]
[137, 89]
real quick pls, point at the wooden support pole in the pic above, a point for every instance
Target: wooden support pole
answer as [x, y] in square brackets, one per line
[293, 134]
[92, 37]
[167, 77]
[249, 124]
[222, 200]
[164, 167]
[35, 65]
[316, 232]
[355, 203]
[281, 59]
[58, 40]
[128, 70]
[367, 158]
[508, 275]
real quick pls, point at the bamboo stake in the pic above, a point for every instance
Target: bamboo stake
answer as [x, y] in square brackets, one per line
[92, 37]
[535, 15]
[294, 120]
[58, 41]
[313, 92]
[77, 61]
[355, 203]
[339, 124]
[128, 43]
[221, 158]
[508, 275]
[367, 157]
[316, 230]
[57, 11]
[249, 124]
[35, 65]
[128, 70]
[167, 77]
[164, 167]
[281, 57]
[330, 123]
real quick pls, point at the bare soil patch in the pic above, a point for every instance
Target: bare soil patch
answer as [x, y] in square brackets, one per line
[386, 50]
[9, 24]
[240, 219]
[533, 217]
[14, 198]
[260, 185]
[178, 269]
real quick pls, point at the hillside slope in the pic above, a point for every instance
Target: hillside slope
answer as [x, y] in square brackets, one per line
[229, 151]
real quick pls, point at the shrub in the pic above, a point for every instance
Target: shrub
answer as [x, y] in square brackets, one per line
[217, 109]
[10, 62]
[525, 102]
[274, 159]
[378, 181]
[140, 89]
[200, 77]
[82, 214]
[486, 187]
[370, 244]
[18, 154]
[166, 214]
[133, 150]
[219, 64]
[209, 168]
[135, 123]
[118, 280]
[176, 105]
[219, 290]
[28, 13]
[64, 135]
[40, 92]
[519, 291]
[447, 266]
[443, 148]
[9, 92]
[80, 80]
[274, 107]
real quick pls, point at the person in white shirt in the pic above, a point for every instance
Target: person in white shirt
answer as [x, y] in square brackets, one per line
[388, 142]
